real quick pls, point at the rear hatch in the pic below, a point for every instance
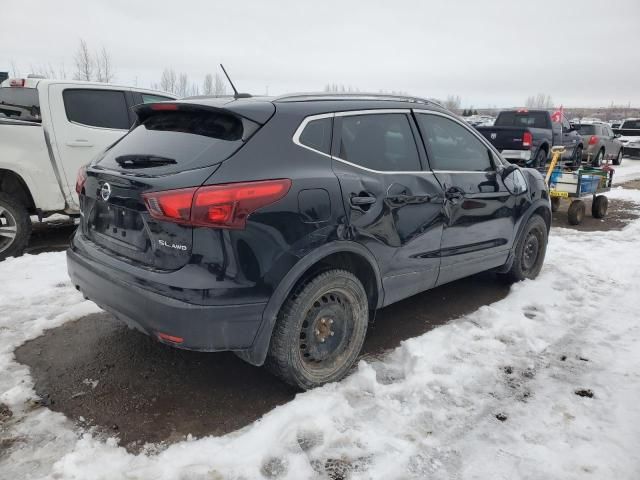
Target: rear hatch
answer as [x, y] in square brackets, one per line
[173, 146]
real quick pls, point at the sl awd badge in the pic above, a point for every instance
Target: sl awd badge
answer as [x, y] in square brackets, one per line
[105, 191]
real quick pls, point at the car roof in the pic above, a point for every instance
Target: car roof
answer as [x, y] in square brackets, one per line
[34, 82]
[316, 103]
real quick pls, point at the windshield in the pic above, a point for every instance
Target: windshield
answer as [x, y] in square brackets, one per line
[587, 129]
[21, 103]
[631, 124]
[523, 119]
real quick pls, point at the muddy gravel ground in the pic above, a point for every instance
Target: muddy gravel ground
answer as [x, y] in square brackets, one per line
[103, 375]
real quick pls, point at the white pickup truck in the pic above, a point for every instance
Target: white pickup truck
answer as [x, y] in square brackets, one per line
[48, 130]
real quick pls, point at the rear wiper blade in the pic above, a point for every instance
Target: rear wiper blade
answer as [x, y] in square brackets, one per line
[143, 161]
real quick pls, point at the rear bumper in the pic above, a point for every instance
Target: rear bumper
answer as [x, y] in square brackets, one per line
[201, 327]
[517, 155]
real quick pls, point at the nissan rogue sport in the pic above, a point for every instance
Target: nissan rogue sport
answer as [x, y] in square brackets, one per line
[275, 227]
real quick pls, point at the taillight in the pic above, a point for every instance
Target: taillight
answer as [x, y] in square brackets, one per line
[593, 140]
[81, 179]
[17, 82]
[222, 206]
[527, 139]
[164, 106]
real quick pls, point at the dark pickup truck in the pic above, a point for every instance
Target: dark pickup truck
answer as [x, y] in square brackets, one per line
[526, 137]
[629, 136]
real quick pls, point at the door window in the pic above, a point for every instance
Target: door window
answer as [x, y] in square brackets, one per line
[381, 142]
[453, 147]
[97, 108]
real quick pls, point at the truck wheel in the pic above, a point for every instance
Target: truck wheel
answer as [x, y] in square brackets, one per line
[599, 207]
[320, 330]
[541, 159]
[577, 156]
[618, 159]
[15, 227]
[530, 251]
[598, 160]
[576, 212]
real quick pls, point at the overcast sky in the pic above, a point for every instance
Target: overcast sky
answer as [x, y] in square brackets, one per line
[489, 52]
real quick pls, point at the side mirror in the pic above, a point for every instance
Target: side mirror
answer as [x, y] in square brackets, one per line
[514, 180]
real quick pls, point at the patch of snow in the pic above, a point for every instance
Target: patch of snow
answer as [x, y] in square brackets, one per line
[489, 395]
[629, 170]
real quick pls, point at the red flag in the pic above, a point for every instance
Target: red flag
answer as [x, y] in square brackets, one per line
[557, 115]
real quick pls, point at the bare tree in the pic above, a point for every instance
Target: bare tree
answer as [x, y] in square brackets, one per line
[104, 66]
[84, 63]
[207, 85]
[540, 100]
[14, 69]
[219, 86]
[182, 88]
[168, 81]
[452, 103]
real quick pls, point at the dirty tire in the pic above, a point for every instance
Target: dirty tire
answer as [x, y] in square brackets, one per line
[555, 204]
[530, 251]
[15, 227]
[599, 207]
[618, 159]
[297, 353]
[576, 212]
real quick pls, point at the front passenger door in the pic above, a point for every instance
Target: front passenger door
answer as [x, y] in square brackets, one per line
[479, 213]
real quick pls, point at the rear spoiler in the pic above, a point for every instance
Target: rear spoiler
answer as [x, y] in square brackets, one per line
[257, 112]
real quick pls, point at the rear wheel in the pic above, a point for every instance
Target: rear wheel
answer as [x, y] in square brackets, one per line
[15, 227]
[541, 159]
[618, 159]
[599, 207]
[597, 161]
[320, 330]
[576, 212]
[530, 251]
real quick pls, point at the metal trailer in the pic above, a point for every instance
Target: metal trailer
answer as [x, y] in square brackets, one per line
[589, 181]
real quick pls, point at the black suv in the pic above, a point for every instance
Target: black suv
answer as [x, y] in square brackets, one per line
[275, 227]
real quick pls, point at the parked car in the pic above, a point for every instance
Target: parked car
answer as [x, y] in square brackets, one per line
[629, 132]
[527, 136]
[275, 227]
[48, 129]
[615, 123]
[601, 143]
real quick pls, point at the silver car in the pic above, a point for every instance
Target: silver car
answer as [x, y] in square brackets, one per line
[600, 143]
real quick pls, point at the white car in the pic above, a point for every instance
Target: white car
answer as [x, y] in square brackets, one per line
[48, 130]
[629, 136]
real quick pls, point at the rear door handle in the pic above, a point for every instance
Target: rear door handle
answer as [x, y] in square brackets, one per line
[363, 200]
[79, 142]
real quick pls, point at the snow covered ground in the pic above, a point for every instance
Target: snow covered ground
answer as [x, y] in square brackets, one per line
[629, 170]
[491, 395]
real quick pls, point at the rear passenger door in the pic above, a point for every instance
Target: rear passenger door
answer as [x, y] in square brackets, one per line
[86, 120]
[479, 211]
[393, 206]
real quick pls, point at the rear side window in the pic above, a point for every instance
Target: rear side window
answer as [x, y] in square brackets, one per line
[453, 147]
[523, 119]
[97, 108]
[382, 142]
[173, 141]
[317, 135]
[587, 129]
[22, 103]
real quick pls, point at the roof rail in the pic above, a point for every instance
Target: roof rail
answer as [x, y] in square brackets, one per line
[299, 97]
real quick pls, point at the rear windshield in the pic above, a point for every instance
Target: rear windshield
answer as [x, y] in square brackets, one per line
[523, 119]
[587, 129]
[21, 103]
[172, 141]
[631, 124]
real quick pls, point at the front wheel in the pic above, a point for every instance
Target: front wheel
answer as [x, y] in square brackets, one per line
[320, 330]
[15, 227]
[530, 251]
